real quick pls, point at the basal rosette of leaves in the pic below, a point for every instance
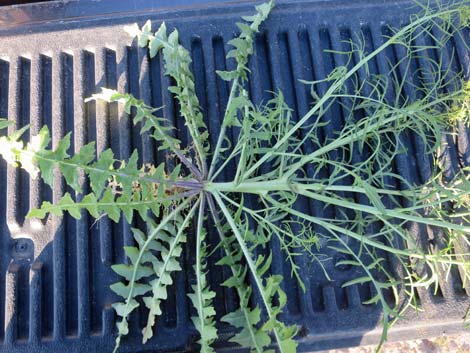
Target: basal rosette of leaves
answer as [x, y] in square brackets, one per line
[278, 161]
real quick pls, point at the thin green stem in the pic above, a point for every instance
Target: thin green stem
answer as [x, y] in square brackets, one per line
[364, 239]
[339, 83]
[251, 264]
[235, 151]
[264, 188]
[281, 184]
[278, 231]
[223, 128]
[199, 259]
[389, 213]
[351, 137]
[241, 295]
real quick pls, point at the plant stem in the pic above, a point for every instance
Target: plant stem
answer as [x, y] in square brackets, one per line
[365, 240]
[264, 187]
[223, 129]
[187, 163]
[223, 239]
[339, 83]
[251, 264]
[278, 231]
[353, 136]
[251, 187]
[394, 213]
[199, 259]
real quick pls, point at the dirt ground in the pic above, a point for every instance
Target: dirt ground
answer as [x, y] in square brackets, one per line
[441, 344]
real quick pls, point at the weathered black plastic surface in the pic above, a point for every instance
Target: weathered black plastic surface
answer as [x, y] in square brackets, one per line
[55, 277]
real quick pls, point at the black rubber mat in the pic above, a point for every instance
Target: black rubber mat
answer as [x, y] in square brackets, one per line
[55, 277]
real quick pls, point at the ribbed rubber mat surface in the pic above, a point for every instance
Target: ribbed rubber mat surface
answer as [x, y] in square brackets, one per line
[55, 277]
